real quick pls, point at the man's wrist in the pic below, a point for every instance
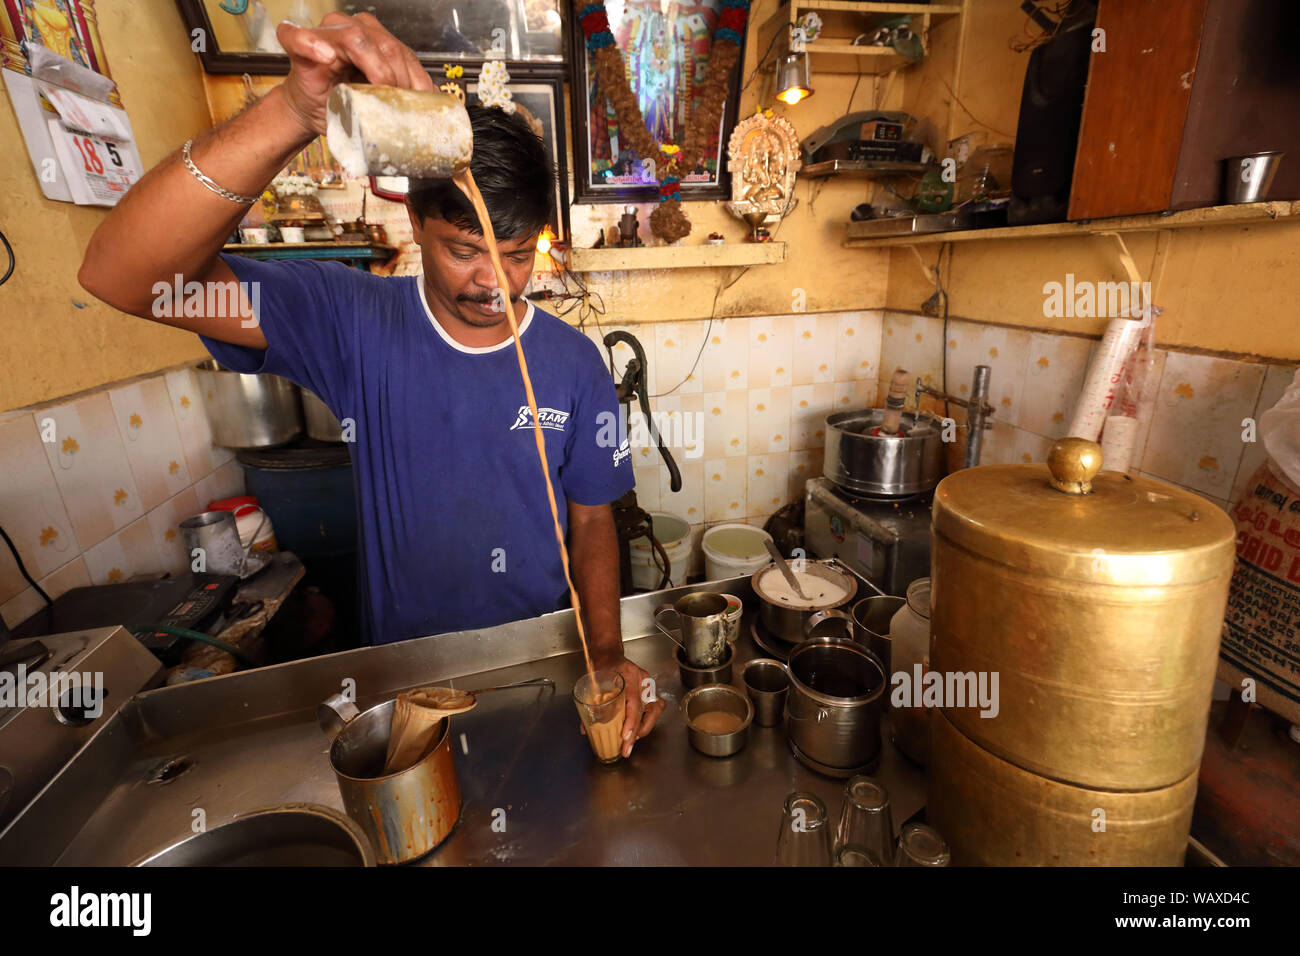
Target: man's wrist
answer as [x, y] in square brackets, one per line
[287, 118]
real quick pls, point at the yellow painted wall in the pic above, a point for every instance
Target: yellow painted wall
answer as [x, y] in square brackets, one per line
[1225, 289]
[54, 338]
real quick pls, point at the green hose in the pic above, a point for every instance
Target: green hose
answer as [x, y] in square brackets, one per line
[230, 649]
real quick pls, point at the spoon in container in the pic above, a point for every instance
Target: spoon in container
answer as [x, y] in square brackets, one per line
[785, 569]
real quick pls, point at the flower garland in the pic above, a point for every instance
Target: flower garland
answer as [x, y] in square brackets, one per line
[668, 221]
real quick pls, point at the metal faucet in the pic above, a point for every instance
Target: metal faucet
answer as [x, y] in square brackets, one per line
[977, 407]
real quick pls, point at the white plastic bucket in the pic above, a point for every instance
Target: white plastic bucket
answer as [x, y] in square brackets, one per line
[674, 534]
[734, 549]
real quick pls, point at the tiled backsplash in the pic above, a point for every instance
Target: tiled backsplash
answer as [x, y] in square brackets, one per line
[761, 389]
[1190, 431]
[92, 489]
[100, 501]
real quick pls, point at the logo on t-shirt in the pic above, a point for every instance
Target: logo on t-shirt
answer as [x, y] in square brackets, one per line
[550, 418]
[624, 452]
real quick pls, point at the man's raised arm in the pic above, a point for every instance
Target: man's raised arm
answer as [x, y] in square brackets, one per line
[172, 224]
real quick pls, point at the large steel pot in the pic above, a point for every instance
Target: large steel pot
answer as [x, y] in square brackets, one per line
[249, 411]
[867, 464]
[992, 813]
[833, 707]
[407, 814]
[321, 422]
[796, 623]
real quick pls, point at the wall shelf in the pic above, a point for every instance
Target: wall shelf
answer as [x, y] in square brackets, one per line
[358, 254]
[1244, 214]
[842, 20]
[676, 257]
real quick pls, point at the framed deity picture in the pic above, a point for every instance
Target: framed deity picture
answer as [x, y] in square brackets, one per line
[540, 103]
[665, 46]
[68, 27]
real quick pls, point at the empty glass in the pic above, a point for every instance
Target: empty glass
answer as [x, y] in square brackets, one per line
[804, 839]
[921, 845]
[855, 856]
[866, 821]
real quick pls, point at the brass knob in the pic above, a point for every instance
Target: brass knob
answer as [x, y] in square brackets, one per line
[1074, 462]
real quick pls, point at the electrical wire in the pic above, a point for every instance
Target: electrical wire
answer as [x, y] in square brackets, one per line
[22, 568]
[13, 261]
[195, 636]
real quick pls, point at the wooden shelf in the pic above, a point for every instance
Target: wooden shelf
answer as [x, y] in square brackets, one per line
[1244, 214]
[676, 257]
[843, 20]
[347, 251]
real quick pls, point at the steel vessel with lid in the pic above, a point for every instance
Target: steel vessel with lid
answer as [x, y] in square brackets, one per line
[1098, 600]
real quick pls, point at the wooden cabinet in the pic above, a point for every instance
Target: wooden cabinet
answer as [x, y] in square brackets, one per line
[1179, 88]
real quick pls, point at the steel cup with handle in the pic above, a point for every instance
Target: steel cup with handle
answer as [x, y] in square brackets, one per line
[701, 630]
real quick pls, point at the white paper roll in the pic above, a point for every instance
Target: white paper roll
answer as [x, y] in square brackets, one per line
[1105, 375]
[1118, 442]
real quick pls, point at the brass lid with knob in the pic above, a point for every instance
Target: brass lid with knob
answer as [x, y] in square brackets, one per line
[1068, 518]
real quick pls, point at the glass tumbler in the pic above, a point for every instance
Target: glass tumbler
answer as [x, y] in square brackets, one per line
[602, 709]
[866, 821]
[804, 839]
[921, 845]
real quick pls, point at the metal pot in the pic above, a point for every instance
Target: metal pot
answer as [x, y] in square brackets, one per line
[321, 423]
[832, 710]
[798, 624]
[868, 464]
[407, 814]
[249, 411]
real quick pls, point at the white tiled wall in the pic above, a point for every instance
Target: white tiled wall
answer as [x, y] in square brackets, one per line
[1190, 431]
[762, 388]
[92, 489]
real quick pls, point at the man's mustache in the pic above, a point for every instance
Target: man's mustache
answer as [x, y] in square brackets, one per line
[481, 299]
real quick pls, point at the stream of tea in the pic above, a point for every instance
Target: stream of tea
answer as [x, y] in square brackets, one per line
[465, 181]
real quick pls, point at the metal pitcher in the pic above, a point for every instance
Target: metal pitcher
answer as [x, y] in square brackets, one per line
[702, 627]
[407, 814]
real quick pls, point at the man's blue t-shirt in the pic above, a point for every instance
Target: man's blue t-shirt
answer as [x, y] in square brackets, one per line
[454, 523]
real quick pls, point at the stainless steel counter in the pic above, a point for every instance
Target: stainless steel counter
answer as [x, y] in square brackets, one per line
[234, 744]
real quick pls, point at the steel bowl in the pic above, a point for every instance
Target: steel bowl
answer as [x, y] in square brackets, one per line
[249, 411]
[708, 698]
[867, 464]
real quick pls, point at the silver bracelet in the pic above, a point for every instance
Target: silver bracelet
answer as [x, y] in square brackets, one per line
[206, 181]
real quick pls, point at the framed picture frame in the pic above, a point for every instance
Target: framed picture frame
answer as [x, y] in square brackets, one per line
[68, 27]
[666, 54]
[238, 36]
[541, 103]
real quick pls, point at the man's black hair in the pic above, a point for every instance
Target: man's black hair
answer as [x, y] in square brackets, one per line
[512, 170]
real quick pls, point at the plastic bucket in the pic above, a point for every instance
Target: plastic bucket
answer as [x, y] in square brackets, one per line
[674, 534]
[734, 549]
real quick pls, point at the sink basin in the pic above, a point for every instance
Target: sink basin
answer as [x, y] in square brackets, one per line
[303, 834]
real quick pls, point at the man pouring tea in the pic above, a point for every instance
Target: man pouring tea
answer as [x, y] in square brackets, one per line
[455, 526]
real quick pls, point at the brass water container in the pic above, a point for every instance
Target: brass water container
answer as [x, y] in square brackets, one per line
[1098, 600]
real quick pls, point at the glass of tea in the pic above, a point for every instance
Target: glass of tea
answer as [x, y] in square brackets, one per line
[602, 708]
